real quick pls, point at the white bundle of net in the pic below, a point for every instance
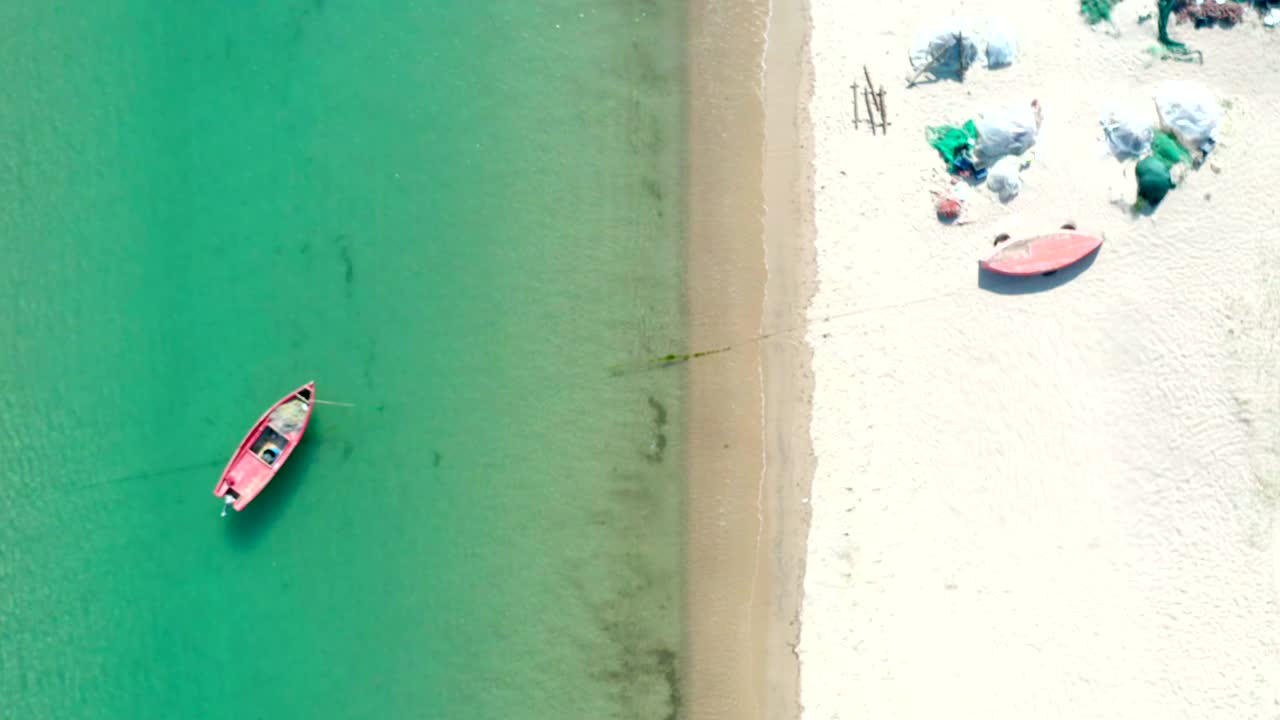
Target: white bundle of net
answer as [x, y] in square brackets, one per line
[289, 417]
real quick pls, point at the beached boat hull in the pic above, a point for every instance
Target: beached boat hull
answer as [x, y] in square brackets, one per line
[266, 447]
[1041, 254]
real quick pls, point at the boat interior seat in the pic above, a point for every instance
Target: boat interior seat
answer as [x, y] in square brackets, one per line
[269, 445]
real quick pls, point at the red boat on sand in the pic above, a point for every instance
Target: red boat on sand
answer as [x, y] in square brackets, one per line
[266, 448]
[1041, 254]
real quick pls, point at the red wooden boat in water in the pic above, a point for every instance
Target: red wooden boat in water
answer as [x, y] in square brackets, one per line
[1041, 254]
[266, 448]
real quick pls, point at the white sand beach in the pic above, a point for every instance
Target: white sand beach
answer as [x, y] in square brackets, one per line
[1058, 503]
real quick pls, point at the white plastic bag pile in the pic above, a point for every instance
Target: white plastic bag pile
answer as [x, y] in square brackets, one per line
[1004, 178]
[1004, 134]
[1185, 108]
[1191, 112]
[1128, 131]
[1006, 131]
[1002, 44]
[951, 39]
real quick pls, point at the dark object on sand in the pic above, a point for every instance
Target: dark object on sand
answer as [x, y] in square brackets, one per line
[1209, 12]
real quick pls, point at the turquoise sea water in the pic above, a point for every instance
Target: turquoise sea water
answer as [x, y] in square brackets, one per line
[456, 216]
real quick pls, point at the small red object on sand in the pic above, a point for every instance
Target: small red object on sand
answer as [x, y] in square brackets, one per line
[948, 206]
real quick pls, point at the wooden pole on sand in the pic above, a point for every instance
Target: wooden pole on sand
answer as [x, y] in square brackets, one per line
[871, 118]
[854, 87]
[884, 117]
[867, 74]
[928, 66]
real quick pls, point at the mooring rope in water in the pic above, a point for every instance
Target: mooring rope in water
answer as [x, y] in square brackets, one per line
[670, 359]
[146, 475]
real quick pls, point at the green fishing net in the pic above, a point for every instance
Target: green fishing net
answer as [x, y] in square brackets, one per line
[289, 417]
[1096, 11]
[1165, 9]
[1167, 148]
[951, 140]
[1154, 181]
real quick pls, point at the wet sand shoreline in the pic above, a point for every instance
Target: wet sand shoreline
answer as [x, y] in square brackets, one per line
[750, 275]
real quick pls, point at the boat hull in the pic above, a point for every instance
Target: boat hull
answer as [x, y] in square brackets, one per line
[266, 447]
[1041, 254]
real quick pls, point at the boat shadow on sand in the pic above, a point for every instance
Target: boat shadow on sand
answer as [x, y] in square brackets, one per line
[245, 529]
[1015, 285]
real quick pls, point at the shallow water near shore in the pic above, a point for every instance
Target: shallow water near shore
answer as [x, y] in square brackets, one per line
[455, 218]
